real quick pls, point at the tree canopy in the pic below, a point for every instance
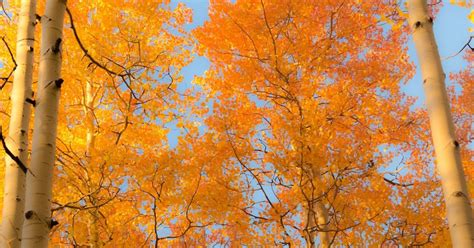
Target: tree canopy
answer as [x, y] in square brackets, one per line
[298, 134]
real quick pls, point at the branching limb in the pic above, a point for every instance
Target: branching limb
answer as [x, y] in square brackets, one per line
[396, 183]
[7, 78]
[11, 155]
[4, 11]
[468, 44]
[86, 52]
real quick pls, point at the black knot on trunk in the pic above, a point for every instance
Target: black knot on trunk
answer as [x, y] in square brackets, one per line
[31, 101]
[417, 24]
[29, 214]
[53, 223]
[59, 82]
[456, 144]
[458, 194]
[57, 46]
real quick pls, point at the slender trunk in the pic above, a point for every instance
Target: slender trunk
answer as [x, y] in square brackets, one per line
[317, 219]
[89, 114]
[322, 221]
[17, 140]
[459, 211]
[317, 215]
[90, 145]
[93, 228]
[38, 222]
[310, 234]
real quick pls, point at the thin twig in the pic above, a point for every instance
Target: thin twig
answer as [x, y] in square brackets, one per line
[468, 44]
[397, 184]
[86, 52]
[9, 51]
[5, 79]
[4, 11]
[11, 155]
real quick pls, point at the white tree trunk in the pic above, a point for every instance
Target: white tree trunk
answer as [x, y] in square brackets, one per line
[37, 222]
[17, 139]
[459, 211]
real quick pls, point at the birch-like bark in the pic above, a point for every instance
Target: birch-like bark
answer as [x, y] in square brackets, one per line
[17, 139]
[37, 223]
[448, 160]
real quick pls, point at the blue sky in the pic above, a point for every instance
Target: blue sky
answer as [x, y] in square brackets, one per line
[451, 30]
[200, 64]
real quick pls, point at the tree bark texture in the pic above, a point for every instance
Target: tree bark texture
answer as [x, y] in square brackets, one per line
[17, 139]
[38, 221]
[448, 159]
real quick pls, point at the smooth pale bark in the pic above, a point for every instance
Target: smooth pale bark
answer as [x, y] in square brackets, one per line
[317, 220]
[448, 160]
[90, 146]
[17, 139]
[37, 222]
[322, 221]
[89, 113]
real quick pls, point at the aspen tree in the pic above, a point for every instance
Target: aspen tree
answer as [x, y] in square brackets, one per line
[17, 139]
[322, 220]
[318, 106]
[459, 211]
[90, 146]
[318, 219]
[38, 220]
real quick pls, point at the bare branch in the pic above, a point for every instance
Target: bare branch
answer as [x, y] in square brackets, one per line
[4, 11]
[468, 44]
[86, 52]
[7, 78]
[11, 155]
[397, 184]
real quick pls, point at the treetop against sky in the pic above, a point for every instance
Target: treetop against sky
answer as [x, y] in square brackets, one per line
[227, 123]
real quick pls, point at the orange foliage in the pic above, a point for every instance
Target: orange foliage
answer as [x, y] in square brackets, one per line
[302, 105]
